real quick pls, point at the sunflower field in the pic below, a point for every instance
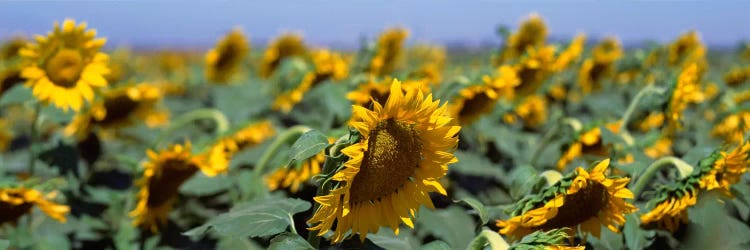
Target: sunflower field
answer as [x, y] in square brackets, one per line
[535, 144]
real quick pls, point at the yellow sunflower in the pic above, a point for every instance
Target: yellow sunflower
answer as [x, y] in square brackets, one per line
[727, 169]
[379, 91]
[404, 150]
[662, 147]
[686, 91]
[588, 142]
[670, 212]
[288, 45]
[534, 68]
[224, 60]
[18, 201]
[532, 33]
[329, 65]
[11, 49]
[65, 66]
[532, 110]
[388, 52]
[221, 152]
[588, 199]
[652, 121]
[293, 177]
[6, 134]
[684, 46]
[9, 78]
[121, 107]
[163, 174]
[600, 66]
[737, 76]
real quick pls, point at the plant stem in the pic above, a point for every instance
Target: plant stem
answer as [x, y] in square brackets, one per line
[289, 136]
[651, 89]
[222, 124]
[328, 166]
[33, 139]
[683, 168]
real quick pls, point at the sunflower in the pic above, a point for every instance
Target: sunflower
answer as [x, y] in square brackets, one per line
[473, 102]
[534, 68]
[733, 127]
[6, 134]
[727, 169]
[686, 90]
[224, 60]
[329, 65]
[569, 55]
[432, 61]
[549, 240]
[11, 49]
[288, 45]
[286, 100]
[532, 110]
[652, 121]
[65, 66]
[737, 76]
[670, 211]
[404, 149]
[293, 178]
[17, 201]
[163, 174]
[684, 46]
[121, 107]
[600, 66]
[379, 91]
[662, 147]
[588, 199]
[388, 52]
[532, 33]
[588, 142]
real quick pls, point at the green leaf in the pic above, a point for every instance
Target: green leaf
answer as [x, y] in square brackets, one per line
[307, 145]
[254, 219]
[4, 244]
[476, 165]
[16, 95]
[201, 185]
[385, 238]
[635, 237]
[436, 245]
[289, 240]
[477, 206]
[452, 225]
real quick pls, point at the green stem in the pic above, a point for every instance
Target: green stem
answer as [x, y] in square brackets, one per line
[651, 89]
[222, 124]
[289, 136]
[682, 167]
[328, 167]
[33, 139]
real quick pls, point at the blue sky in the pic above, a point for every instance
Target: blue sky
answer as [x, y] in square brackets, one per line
[342, 23]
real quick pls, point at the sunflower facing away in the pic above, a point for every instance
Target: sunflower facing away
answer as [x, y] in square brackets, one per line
[163, 174]
[285, 101]
[588, 142]
[671, 211]
[388, 52]
[121, 107]
[287, 45]
[18, 201]
[221, 152]
[588, 199]
[404, 150]
[224, 60]
[686, 91]
[65, 66]
[293, 177]
[532, 33]
[727, 169]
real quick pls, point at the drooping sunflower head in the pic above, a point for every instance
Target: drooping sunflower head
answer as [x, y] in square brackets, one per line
[555, 239]
[531, 33]
[122, 107]
[586, 199]
[163, 174]
[329, 65]
[733, 127]
[388, 52]
[287, 45]
[65, 66]
[569, 55]
[224, 60]
[727, 169]
[670, 209]
[404, 149]
[18, 201]
[686, 90]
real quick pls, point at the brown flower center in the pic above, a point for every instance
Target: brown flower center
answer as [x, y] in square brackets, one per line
[10, 213]
[476, 105]
[228, 56]
[393, 153]
[118, 108]
[65, 67]
[163, 187]
[579, 207]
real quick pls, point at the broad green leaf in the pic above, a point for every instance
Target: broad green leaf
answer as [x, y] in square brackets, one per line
[254, 219]
[289, 240]
[4, 244]
[16, 95]
[477, 165]
[238, 243]
[201, 185]
[308, 145]
[635, 237]
[385, 238]
[478, 207]
[453, 225]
